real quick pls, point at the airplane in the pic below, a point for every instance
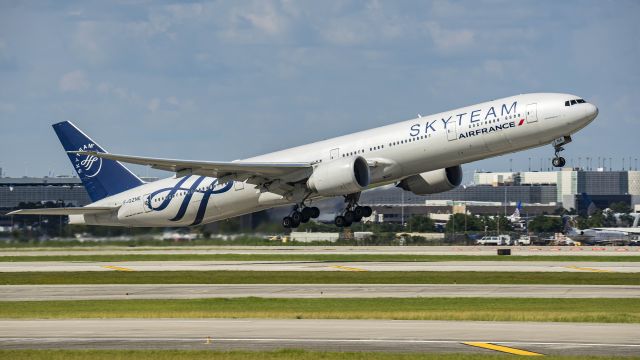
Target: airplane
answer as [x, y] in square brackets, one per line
[515, 217]
[600, 235]
[517, 220]
[423, 155]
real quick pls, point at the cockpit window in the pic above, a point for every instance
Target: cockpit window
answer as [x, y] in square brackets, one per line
[574, 102]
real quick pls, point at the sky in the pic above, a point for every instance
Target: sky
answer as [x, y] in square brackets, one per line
[226, 80]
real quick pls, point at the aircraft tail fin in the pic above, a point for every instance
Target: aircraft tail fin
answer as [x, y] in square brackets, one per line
[591, 206]
[100, 177]
[568, 225]
[516, 213]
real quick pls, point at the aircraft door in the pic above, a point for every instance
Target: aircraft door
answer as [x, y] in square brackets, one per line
[532, 113]
[334, 154]
[145, 203]
[452, 131]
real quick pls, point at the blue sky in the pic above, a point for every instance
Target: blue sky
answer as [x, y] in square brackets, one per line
[227, 80]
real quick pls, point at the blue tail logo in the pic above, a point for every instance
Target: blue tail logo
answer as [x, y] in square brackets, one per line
[100, 177]
[89, 166]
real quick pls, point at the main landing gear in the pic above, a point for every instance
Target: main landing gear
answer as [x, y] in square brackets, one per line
[559, 161]
[353, 213]
[297, 216]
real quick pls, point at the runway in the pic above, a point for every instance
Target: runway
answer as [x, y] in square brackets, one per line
[501, 266]
[343, 335]
[337, 250]
[130, 292]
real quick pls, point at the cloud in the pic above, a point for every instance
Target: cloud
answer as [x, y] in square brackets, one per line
[7, 107]
[449, 40]
[154, 104]
[258, 22]
[274, 62]
[74, 81]
[87, 38]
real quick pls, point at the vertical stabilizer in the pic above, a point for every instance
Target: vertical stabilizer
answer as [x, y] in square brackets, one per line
[100, 177]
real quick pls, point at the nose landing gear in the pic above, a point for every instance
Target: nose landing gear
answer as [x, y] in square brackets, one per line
[559, 161]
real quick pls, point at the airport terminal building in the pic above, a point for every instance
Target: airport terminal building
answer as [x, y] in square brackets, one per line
[493, 193]
[490, 193]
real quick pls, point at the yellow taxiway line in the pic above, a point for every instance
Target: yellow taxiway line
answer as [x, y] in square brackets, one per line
[117, 268]
[504, 349]
[347, 268]
[587, 269]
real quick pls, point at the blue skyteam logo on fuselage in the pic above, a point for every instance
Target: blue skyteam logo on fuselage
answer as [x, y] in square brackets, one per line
[431, 125]
[161, 198]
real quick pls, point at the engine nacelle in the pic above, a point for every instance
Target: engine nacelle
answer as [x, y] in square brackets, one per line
[433, 182]
[340, 177]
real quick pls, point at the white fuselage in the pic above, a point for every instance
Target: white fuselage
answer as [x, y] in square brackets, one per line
[406, 148]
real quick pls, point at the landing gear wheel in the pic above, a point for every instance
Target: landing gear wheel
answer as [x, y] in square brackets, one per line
[359, 211]
[559, 161]
[305, 218]
[307, 213]
[339, 221]
[315, 212]
[349, 216]
[367, 211]
[296, 216]
[287, 222]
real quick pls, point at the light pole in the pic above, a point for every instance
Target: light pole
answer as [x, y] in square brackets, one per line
[402, 211]
[505, 200]
[464, 199]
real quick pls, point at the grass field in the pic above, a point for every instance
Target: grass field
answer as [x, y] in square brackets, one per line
[315, 257]
[480, 309]
[316, 277]
[250, 355]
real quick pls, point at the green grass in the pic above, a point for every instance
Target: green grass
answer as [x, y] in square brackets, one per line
[316, 257]
[316, 277]
[251, 355]
[476, 309]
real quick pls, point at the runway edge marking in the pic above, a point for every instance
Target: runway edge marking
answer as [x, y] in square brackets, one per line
[348, 268]
[588, 269]
[504, 349]
[117, 268]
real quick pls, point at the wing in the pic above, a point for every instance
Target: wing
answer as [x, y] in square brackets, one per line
[257, 173]
[65, 211]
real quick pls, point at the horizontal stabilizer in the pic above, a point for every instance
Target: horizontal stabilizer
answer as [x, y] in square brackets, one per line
[65, 211]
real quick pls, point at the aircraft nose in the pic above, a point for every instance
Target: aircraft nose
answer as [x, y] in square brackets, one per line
[591, 111]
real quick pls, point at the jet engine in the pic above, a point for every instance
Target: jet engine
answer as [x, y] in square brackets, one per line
[433, 182]
[340, 177]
